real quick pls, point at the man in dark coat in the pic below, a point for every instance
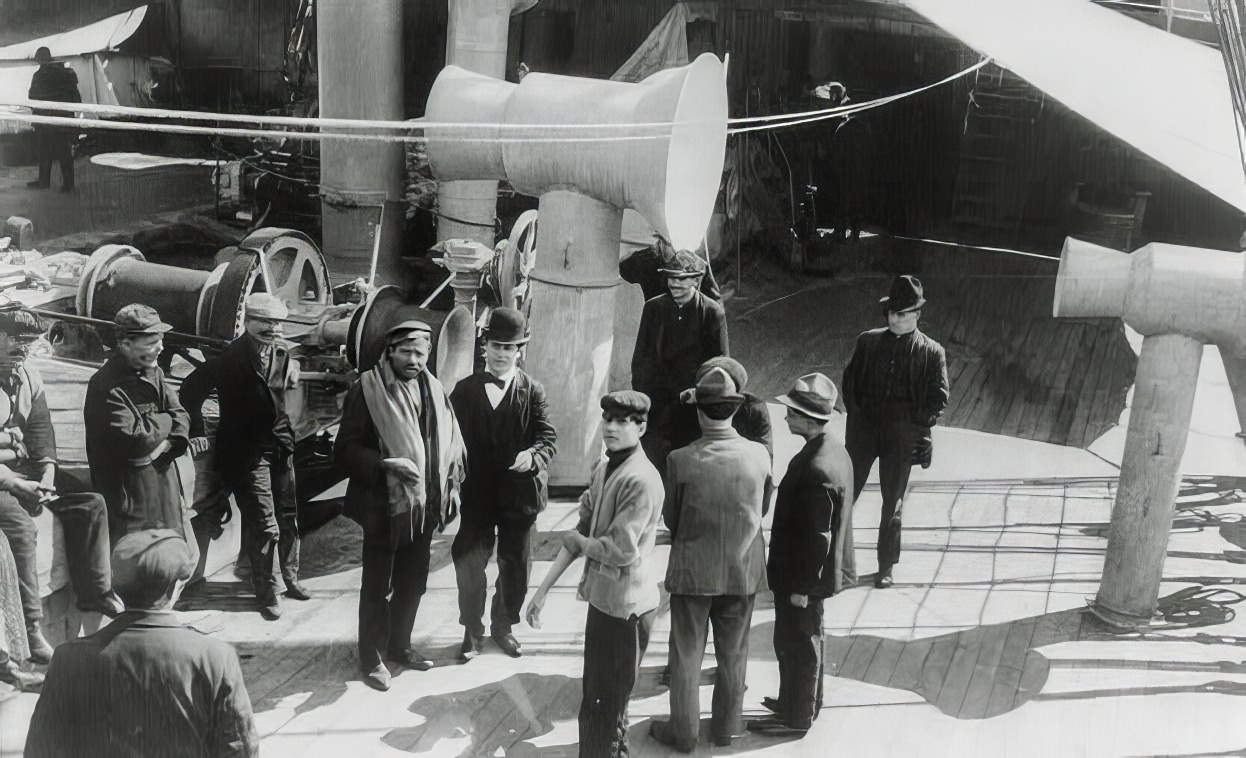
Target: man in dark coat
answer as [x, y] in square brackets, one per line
[254, 450]
[810, 553]
[400, 444]
[504, 417]
[678, 332]
[145, 684]
[851, 166]
[28, 484]
[135, 431]
[53, 82]
[895, 390]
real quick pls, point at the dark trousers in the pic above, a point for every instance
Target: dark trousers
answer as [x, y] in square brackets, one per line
[394, 581]
[268, 504]
[84, 520]
[613, 649]
[887, 435]
[55, 146]
[471, 550]
[691, 616]
[798, 646]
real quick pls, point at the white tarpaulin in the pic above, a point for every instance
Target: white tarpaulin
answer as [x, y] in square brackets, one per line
[103, 35]
[1165, 95]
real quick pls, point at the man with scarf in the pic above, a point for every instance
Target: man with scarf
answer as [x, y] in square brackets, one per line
[254, 451]
[400, 444]
[135, 431]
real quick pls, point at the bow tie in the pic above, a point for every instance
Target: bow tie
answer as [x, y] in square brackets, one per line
[491, 379]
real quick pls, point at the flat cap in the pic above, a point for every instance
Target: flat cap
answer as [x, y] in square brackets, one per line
[717, 386]
[407, 330]
[150, 559]
[264, 305]
[682, 264]
[733, 368]
[137, 318]
[16, 320]
[626, 403]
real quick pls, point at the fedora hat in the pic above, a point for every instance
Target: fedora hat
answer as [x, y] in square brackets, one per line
[506, 326]
[905, 294]
[813, 395]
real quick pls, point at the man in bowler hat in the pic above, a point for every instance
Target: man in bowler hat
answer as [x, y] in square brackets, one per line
[895, 389]
[810, 553]
[679, 330]
[504, 418]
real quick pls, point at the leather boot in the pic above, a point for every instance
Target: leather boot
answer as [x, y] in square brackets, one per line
[40, 650]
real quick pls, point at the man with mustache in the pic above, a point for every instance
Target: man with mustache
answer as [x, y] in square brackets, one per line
[28, 483]
[135, 431]
[255, 445]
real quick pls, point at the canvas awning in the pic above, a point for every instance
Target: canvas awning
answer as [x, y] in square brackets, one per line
[1164, 95]
[101, 36]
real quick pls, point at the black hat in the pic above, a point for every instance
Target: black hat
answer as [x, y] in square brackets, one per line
[43, 55]
[506, 326]
[16, 320]
[905, 294]
[626, 403]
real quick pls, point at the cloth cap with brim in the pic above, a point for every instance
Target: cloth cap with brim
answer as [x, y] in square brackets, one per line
[905, 294]
[150, 560]
[407, 330]
[264, 305]
[137, 318]
[507, 326]
[19, 321]
[813, 395]
[733, 368]
[717, 386]
[684, 264]
[625, 403]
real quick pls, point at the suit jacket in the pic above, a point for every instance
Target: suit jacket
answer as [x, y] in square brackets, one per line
[253, 420]
[661, 369]
[619, 516]
[928, 385]
[811, 550]
[143, 685]
[129, 417]
[493, 439]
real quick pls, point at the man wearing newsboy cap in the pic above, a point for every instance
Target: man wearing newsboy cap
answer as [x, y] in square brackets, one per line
[254, 448]
[895, 390]
[810, 553]
[145, 684]
[136, 430]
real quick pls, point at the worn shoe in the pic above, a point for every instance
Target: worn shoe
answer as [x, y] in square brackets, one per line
[411, 658]
[509, 645]
[40, 650]
[378, 678]
[271, 611]
[108, 604]
[776, 727]
[296, 591]
[472, 646]
[24, 681]
[662, 732]
[771, 704]
[883, 579]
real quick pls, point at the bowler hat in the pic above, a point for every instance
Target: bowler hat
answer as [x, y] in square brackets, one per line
[150, 560]
[682, 265]
[506, 326]
[905, 294]
[137, 318]
[17, 320]
[814, 395]
[264, 305]
[626, 403]
[717, 386]
[406, 330]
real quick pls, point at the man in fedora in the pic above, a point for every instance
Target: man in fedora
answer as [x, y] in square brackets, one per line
[679, 330]
[895, 388]
[810, 553]
[136, 429]
[716, 495]
[145, 684]
[504, 418]
[254, 449]
[28, 484]
[400, 444]
[53, 82]
[752, 420]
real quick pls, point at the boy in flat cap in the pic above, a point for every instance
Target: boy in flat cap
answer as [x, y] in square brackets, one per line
[616, 534]
[145, 684]
[716, 494]
[400, 444]
[895, 390]
[678, 331]
[28, 483]
[136, 429]
[510, 441]
[254, 449]
[810, 553]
